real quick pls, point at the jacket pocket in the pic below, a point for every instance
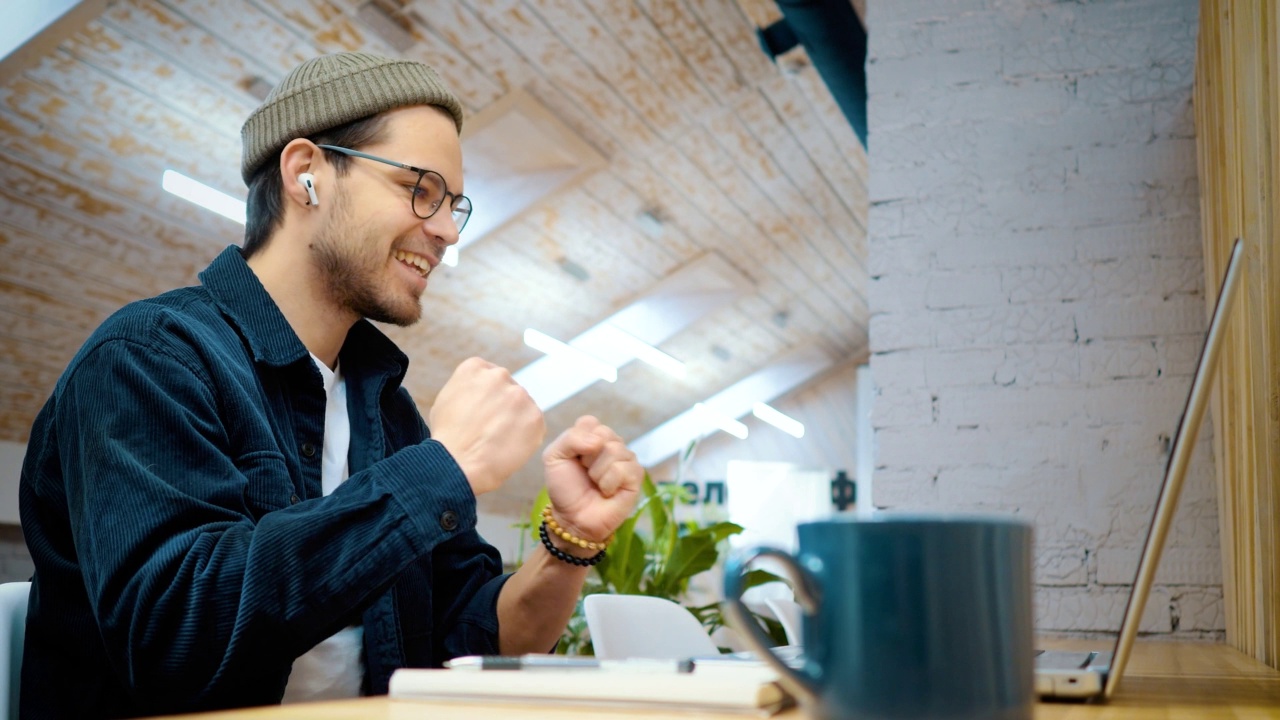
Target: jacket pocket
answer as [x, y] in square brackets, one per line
[267, 483]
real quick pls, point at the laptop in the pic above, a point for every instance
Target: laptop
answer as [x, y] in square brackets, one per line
[1095, 675]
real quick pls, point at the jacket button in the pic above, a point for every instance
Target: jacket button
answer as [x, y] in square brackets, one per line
[308, 450]
[293, 499]
[449, 520]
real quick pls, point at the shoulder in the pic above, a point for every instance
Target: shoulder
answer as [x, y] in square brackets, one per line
[180, 325]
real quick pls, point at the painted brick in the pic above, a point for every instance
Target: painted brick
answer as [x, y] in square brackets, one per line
[1006, 249]
[1061, 565]
[947, 291]
[1140, 317]
[900, 331]
[1178, 566]
[963, 367]
[1198, 609]
[897, 292]
[1072, 178]
[906, 489]
[899, 369]
[1179, 354]
[901, 407]
[1004, 325]
[1108, 360]
[1165, 238]
[1098, 609]
[1043, 364]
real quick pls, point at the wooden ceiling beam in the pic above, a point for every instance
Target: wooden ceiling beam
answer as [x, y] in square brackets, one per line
[52, 23]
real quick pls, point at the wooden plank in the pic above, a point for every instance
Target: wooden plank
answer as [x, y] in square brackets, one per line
[70, 235]
[238, 29]
[781, 247]
[625, 204]
[96, 93]
[735, 32]
[216, 61]
[592, 237]
[802, 121]
[762, 13]
[13, 61]
[814, 89]
[180, 93]
[662, 112]
[801, 207]
[690, 38]
[526, 32]
[95, 206]
[46, 145]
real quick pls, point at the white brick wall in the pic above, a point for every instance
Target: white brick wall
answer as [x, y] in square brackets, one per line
[1037, 286]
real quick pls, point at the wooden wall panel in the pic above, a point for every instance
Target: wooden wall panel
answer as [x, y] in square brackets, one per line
[1237, 102]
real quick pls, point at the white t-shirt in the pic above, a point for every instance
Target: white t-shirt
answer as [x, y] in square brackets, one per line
[334, 669]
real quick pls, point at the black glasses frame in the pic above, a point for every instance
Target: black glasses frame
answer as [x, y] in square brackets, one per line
[459, 205]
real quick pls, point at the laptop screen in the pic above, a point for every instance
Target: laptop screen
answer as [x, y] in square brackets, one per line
[1176, 470]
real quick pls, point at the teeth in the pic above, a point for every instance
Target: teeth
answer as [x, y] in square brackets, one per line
[417, 261]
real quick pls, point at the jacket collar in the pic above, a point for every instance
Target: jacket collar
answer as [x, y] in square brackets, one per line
[240, 295]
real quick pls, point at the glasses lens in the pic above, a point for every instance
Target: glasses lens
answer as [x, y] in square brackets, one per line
[428, 194]
[461, 212]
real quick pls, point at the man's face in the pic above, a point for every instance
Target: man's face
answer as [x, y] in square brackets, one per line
[374, 254]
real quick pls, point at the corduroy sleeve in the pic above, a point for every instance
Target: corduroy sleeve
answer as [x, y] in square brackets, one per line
[198, 604]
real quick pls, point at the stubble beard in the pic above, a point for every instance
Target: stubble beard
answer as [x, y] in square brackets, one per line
[354, 275]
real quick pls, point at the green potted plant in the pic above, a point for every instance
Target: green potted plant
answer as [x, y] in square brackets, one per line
[654, 553]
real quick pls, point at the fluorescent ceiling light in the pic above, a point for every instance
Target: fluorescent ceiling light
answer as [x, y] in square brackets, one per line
[645, 352]
[675, 302]
[774, 380]
[721, 421]
[785, 423]
[203, 195]
[556, 349]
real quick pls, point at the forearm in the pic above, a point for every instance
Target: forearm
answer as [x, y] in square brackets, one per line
[536, 603]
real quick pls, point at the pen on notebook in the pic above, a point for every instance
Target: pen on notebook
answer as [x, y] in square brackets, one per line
[563, 662]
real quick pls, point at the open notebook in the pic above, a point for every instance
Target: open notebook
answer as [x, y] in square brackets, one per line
[741, 688]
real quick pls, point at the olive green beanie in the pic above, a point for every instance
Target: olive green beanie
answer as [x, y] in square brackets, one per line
[333, 90]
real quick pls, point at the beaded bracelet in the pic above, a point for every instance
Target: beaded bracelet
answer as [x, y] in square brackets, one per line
[563, 556]
[570, 537]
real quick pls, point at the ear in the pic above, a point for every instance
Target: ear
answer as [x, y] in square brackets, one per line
[298, 157]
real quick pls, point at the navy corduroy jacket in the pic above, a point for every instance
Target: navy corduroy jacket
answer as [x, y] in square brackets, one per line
[184, 553]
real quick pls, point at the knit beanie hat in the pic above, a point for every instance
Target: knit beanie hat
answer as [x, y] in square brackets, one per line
[333, 90]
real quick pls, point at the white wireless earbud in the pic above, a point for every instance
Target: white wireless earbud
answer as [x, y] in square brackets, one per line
[309, 182]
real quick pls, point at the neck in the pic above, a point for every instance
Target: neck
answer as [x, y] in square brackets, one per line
[295, 285]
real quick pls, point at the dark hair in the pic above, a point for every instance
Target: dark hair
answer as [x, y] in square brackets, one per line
[266, 188]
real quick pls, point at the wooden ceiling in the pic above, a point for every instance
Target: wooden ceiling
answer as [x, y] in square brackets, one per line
[734, 154]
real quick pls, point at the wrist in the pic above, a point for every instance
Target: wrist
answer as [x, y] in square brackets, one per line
[569, 535]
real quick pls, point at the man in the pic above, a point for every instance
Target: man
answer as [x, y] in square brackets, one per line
[229, 497]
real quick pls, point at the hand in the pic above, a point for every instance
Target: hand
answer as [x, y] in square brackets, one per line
[592, 478]
[487, 422]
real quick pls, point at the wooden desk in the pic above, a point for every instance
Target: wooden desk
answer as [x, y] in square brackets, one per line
[1164, 681]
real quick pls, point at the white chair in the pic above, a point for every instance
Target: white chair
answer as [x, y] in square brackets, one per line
[13, 628]
[639, 626]
[790, 614]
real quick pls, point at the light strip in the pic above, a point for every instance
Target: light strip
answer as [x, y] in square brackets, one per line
[721, 421]
[646, 352]
[555, 348]
[785, 423]
[203, 195]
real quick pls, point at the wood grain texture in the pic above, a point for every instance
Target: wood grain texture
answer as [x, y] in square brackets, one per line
[710, 148]
[1237, 98]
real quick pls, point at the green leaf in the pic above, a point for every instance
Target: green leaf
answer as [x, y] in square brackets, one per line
[756, 578]
[535, 514]
[691, 555]
[718, 531]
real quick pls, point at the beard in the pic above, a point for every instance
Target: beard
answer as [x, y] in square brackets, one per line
[355, 275]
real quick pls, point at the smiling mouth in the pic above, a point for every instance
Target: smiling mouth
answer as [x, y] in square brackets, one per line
[419, 263]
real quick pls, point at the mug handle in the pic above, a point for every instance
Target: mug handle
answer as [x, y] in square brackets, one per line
[803, 683]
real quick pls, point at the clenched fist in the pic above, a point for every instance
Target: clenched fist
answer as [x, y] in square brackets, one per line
[487, 422]
[593, 479]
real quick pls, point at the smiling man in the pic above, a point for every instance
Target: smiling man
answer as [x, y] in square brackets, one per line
[230, 498]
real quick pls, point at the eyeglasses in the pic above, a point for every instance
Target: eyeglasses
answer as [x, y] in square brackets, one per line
[429, 192]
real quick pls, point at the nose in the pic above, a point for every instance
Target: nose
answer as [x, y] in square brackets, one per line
[442, 226]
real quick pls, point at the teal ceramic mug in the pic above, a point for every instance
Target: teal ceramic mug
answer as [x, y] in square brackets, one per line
[923, 617]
